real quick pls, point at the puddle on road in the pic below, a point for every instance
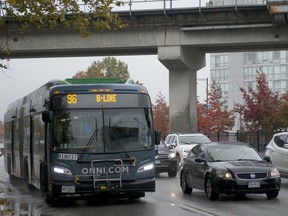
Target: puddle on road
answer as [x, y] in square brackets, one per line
[4, 202]
[11, 204]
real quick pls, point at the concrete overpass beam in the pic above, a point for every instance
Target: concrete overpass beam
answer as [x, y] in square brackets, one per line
[183, 64]
[181, 58]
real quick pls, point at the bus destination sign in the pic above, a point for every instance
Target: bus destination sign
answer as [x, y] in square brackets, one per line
[100, 98]
[92, 100]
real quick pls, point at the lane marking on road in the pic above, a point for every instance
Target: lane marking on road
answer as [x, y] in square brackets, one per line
[196, 210]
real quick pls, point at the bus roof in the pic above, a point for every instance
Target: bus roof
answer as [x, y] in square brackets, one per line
[96, 80]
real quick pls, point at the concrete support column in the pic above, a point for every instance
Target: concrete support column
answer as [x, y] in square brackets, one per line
[183, 64]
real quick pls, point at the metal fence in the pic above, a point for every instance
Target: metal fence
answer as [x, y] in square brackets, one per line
[258, 139]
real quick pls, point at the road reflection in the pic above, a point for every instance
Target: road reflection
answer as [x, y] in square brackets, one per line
[18, 200]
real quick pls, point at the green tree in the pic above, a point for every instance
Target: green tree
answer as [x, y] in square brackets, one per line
[161, 115]
[215, 117]
[260, 108]
[69, 14]
[109, 67]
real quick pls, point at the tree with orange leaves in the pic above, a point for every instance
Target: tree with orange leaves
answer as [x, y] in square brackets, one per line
[260, 110]
[1, 129]
[214, 116]
[161, 115]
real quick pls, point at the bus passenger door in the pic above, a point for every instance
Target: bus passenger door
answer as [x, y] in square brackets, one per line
[32, 150]
[12, 161]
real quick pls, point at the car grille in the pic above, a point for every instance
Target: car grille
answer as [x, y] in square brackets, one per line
[164, 156]
[251, 175]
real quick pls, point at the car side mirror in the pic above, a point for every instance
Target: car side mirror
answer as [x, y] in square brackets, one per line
[199, 160]
[173, 145]
[267, 158]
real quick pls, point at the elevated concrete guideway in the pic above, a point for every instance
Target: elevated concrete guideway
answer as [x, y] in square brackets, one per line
[180, 38]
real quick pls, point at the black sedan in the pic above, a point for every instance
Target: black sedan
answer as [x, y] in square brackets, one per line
[165, 160]
[228, 168]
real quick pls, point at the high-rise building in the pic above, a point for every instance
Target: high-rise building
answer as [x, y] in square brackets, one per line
[235, 70]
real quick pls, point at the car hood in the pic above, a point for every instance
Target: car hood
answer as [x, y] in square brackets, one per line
[164, 151]
[241, 166]
[187, 147]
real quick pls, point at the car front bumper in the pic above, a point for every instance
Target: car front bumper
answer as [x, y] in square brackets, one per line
[165, 165]
[233, 186]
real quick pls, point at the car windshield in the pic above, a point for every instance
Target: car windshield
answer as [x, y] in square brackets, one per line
[229, 153]
[189, 140]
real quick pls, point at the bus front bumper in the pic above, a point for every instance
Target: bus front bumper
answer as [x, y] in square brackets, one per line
[62, 189]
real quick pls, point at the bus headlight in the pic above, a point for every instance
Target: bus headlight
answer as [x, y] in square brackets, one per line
[61, 170]
[145, 167]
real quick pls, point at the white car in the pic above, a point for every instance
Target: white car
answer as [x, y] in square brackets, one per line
[183, 143]
[277, 150]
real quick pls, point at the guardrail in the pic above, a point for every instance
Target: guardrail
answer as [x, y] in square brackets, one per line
[133, 5]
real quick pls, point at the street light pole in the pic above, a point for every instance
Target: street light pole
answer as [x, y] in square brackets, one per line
[205, 79]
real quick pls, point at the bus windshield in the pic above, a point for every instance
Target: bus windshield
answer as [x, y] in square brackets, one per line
[102, 130]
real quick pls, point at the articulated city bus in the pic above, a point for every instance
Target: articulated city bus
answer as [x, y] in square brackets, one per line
[81, 137]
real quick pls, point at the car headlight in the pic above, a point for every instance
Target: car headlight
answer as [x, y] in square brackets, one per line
[274, 173]
[224, 174]
[145, 167]
[61, 170]
[172, 155]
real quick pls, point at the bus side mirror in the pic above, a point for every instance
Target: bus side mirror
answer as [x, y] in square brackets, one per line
[47, 116]
[157, 137]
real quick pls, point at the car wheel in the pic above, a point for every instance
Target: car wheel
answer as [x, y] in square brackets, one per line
[210, 192]
[172, 173]
[184, 186]
[157, 174]
[240, 195]
[273, 194]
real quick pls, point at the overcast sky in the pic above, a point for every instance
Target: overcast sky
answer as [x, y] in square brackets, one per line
[25, 75]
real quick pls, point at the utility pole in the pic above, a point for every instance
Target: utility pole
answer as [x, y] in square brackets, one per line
[205, 79]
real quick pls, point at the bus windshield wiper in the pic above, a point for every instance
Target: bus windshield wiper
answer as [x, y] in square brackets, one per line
[115, 138]
[93, 136]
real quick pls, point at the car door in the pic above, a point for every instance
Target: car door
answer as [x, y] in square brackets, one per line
[198, 168]
[279, 153]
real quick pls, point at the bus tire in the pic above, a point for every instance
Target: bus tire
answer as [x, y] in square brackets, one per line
[48, 195]
[26, 175]
[135, 195]
[49, 199]
[12, 178]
